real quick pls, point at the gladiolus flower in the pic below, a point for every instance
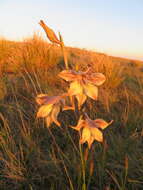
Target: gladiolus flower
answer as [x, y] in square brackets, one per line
[83, 84]
[50, 107]
[91, 130]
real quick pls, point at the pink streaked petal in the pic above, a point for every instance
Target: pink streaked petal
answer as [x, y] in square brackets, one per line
[44, 99]
[68, 75]
[97, 134]
[96, 78]
[91, 91]
[44, 110]
[101, 123]
[90, 123]
[75, 88]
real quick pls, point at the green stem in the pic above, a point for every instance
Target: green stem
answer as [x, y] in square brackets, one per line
[125, 178]
[83, 167]
[64, 52]
[65, 56]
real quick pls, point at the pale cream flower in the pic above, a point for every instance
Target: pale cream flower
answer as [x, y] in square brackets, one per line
[50, 107]
[91, 130]
[83, 84]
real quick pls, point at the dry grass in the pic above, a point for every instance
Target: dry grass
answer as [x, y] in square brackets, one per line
[34, 157]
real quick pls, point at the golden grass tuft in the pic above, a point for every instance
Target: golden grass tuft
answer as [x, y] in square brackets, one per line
[34, 157]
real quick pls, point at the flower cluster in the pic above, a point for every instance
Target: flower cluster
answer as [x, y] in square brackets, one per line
[82, 85]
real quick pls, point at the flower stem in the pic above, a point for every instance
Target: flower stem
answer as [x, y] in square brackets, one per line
[65, 56]
[83, 167]
[64, 52]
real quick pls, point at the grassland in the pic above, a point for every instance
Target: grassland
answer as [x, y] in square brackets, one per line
[34, 157]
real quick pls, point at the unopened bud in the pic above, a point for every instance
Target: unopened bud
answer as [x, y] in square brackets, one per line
[50, 33]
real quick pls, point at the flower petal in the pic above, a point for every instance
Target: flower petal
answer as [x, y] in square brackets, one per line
[81, 99]
[44, 110]
[86, 135]
[90, 141]
[48, 121]
[68, 75]
[91, 91]
[54, 114]
[41, 98]
[79, 125]
[97, 134]
[101, 123]
[96, 78]
[44, 99]
[90, 123]
[75, 88]
[68, 108]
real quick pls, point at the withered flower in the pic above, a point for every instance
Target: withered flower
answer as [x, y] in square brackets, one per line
[91, 130]
[83, 84]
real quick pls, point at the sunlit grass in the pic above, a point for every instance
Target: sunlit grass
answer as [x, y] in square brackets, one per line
[36, 157]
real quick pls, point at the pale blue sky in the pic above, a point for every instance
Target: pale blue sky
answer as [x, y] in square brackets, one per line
[114, 27]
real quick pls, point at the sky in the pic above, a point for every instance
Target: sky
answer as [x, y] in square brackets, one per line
[114, 27]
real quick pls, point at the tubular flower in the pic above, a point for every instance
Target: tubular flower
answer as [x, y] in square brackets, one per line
[50, 107]
[91, 130]
[83, 84]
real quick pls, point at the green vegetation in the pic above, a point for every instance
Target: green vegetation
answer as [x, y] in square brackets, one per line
[34, 157]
